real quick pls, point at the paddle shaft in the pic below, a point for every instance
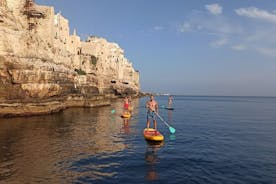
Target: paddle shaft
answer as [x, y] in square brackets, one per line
[162, 119]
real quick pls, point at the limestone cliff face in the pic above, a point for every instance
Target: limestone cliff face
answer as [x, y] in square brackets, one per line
[44, 69]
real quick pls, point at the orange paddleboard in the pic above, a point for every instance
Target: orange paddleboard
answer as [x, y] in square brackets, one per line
[151, 134]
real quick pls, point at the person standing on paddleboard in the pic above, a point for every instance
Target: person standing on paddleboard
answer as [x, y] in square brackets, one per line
[126, 106]
[170, 101]
[130, 105]
[126, 103]
[152, 107]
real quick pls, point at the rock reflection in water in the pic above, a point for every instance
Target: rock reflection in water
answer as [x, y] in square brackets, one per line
[60, 148]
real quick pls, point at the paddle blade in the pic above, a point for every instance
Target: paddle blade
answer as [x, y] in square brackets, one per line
[112, 111]
[172, 130]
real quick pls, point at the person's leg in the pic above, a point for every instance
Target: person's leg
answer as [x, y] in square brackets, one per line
[148, 120]
[154, 121]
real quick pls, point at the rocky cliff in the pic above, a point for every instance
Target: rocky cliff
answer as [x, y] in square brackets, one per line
[44, 69]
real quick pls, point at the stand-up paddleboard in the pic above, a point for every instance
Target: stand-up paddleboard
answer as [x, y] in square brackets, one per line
[169, 108]
[126, 115]
[151, 134]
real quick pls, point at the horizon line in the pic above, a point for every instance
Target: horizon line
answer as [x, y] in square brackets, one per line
[167, 94]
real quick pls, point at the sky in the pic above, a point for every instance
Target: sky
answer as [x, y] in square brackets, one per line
[186, 47]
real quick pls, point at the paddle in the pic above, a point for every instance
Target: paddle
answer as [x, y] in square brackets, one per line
[172, 130]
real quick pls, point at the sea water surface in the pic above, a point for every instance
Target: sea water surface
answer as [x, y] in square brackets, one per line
[217, 140]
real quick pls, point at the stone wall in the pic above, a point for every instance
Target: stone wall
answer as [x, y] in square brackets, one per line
[44, 69]
[15, 5]
[3, 3]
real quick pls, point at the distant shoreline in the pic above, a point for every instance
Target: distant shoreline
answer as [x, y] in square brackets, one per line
[221, 96]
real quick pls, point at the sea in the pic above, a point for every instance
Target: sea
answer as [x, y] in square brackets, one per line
[218, 140]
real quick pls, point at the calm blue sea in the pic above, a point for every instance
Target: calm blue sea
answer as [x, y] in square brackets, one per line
[217, 140]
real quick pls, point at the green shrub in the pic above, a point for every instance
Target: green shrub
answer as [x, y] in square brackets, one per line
[80, 71]
[93, 60]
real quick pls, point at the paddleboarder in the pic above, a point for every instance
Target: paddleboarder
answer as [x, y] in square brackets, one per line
[126, 103]
[130, 105]
[126, 113]
[152, 107]
[170, 101]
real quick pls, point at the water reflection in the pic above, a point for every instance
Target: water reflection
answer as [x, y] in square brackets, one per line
[62, 147]
[172, 137]
[170, 116]
[152, 160]
[126, 128]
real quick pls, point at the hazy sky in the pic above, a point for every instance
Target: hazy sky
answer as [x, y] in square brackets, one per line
[196, 47]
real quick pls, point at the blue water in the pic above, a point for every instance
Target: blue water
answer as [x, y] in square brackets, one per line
[217, 140]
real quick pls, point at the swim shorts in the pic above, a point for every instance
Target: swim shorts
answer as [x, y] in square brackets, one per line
[151, 115]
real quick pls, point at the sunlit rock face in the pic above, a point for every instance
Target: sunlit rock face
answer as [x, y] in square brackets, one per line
[44, 69]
